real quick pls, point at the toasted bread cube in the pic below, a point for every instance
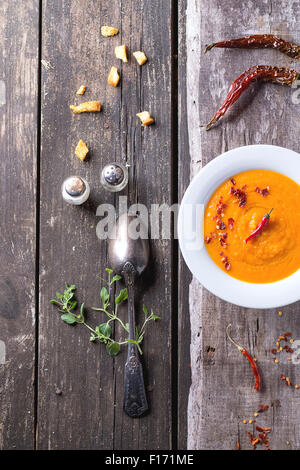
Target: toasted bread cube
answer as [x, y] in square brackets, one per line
[140, 57]
[145, 118]
[89, 106]
[108, 31]
[121, 53]
[81, 150]
[81, 90]
[113, 77]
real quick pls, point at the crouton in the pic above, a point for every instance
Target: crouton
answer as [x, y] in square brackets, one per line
[121, 53]
[108, 31]
[81, 90]
[89, 106]
[145, 118]
[141, 57]
[113, 77]
[81, 150]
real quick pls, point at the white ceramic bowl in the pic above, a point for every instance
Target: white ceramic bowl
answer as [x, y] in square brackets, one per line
[190, 226]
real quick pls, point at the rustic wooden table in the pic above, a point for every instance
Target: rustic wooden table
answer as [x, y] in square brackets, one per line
[199, 387]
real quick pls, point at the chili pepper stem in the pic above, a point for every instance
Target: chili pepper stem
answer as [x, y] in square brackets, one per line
[209, 47]
[232, 341]
[268, 214]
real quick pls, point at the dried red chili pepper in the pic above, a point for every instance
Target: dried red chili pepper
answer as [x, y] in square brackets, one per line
[261, 226]
[253, 364]
[266, 73]
[260, 41]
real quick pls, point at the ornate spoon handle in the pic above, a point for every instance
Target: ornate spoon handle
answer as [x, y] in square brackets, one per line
[135, 400]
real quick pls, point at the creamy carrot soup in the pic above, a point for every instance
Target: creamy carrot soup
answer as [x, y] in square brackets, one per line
[237, 209]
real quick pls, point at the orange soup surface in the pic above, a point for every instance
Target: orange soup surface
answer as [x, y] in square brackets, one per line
[234, 212]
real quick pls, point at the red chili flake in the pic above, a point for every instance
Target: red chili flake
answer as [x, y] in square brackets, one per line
[227, 266]
[224, 235]
[265, 192]
[207, 239]
[262, 408]
[222, 241]
[238, 445]
[282, 377]
[288, 349]
[273, 351]
[213, 235]
[225, 259]
[244, 187]
[233, 181]
[222, 226]
[230, 223]
[221, 253]
[220, 206]
[241, 195]
[287, 334]
[258, 428]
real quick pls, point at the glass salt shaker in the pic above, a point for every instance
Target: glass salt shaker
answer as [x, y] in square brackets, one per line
[114, 177]
[75, 190]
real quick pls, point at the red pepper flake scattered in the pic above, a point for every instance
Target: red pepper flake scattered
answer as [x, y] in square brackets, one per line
[238, 447]
[230, 223]
[207, 239]
[273, 351]
[222, 226]
[253, 364]
[262, 408]
[282, 377]
[241, 196]
[220, 206]
[233, 181]
[287, 334]
[264, 192]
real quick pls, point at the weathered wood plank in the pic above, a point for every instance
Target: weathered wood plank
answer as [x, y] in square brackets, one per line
[221, 393]
[89, 412]
[18, 128]
[184, 332]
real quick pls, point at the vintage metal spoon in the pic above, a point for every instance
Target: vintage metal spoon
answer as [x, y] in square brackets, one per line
[129, 257]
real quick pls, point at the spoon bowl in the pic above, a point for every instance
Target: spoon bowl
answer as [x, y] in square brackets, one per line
[123, 248]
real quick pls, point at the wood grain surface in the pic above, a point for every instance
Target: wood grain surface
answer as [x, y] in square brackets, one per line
[18, 136]
[92, 382]
[199, 387]
[221, 394]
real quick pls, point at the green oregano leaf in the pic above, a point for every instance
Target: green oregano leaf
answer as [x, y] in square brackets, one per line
[123, 295]
[104, 329]
[104, 295]
[113, 348]
[68, 318]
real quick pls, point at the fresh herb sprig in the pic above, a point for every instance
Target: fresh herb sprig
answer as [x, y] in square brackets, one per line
[67, 305]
